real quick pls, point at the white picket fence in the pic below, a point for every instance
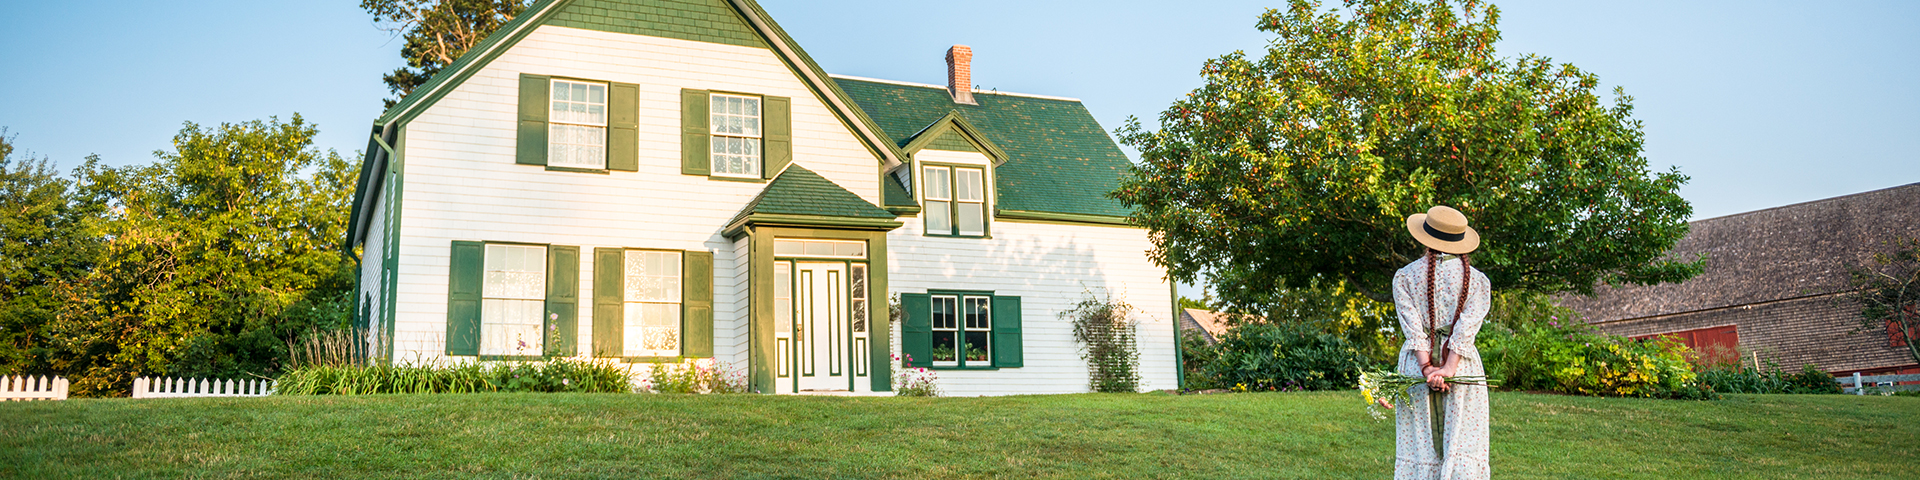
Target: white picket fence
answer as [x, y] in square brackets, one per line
[33, 388]
[170, 387]
[1879, 383]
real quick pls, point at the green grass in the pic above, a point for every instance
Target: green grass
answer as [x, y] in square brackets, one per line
[1272, 435]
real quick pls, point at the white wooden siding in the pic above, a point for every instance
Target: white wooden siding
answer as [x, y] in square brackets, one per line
[462, 183]
[1050, 267]
[372, 289]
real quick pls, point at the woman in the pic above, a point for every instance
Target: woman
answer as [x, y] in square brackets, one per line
[1441, 300]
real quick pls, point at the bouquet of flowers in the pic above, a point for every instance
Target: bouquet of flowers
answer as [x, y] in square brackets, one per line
[1393, 387]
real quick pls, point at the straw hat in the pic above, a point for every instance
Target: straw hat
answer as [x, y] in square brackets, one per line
[1445, 229]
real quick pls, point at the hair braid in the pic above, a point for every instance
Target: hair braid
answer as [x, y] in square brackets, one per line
[1432, 263]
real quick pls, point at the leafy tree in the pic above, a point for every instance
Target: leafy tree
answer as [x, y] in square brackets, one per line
[1301, 166]
[1887, 292]
[216, 256]
[47, 239]
[437, 33]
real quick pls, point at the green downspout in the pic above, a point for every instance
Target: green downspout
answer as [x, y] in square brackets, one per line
[1179, 355]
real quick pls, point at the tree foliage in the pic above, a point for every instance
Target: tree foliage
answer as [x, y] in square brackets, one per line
[1887, 291]
[47, 239]
[437, 32]
[1301, 166]
[214, 257]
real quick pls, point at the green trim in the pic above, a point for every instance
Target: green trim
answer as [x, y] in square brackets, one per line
[903, 211]
[963, 368]
[954, 123]
[1179, 356]
[740, 227]
[551, 168]
[390, 251]
[719, 178]
[1062, 218]
[511, 358]
[760, 261]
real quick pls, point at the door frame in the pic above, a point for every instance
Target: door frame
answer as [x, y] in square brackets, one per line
[760, 334]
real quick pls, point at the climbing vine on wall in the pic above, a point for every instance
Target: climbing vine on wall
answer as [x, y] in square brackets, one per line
[1105, 330]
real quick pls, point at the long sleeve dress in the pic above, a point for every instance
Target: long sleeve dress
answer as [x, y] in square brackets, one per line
[1465, 406]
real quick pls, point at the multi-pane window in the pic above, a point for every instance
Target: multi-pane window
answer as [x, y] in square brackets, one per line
[512, 298]
[962, 330]
[577, 125]
[652, 324]
[955, 200]
[736, 135]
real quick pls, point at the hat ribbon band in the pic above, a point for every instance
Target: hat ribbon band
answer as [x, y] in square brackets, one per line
[1451, 237]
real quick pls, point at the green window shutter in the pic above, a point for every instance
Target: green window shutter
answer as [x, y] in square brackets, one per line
[623, 127]
[1006, 331]
[696, 304]
[916, 329]
[777, 114]
[695, 142]
[535, 98]
[609, 302]
[466, 272]
[563, 300]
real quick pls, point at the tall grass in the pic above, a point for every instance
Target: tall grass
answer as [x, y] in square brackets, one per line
[332, 347]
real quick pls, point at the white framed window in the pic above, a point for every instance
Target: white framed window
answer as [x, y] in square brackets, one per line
[652, 296]
[969, 202]
[577, 125]
[955, 200]
[785, 247]
[962, 330]
[938, 197]
[736, 135]
[512, 300]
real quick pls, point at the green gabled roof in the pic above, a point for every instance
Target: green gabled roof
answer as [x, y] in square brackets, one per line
[1059, 159]
[798, 191]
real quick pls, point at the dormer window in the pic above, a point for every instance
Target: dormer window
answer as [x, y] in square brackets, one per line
[955, 200]
[577, 125]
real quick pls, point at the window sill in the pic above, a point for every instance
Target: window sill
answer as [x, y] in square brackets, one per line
[512, 358]
[719, 178]
[649, 359]
[963, 368]
[940, 235]
[601, 171]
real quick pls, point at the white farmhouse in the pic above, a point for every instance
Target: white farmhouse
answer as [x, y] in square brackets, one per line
[663, 180]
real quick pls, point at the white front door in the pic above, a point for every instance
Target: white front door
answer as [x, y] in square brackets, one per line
[818, 345]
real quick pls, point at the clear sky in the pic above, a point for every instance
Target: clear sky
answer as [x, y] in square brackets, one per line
[1762, 103]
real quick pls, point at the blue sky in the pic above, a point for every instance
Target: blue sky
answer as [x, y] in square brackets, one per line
[1762, 103]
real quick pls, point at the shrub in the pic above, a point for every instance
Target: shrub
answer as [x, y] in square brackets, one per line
[695, 376]
[1529, 345]
[1735, 379]
[1195, 355]
[913, 381]
[553, 375]
[1267, 357]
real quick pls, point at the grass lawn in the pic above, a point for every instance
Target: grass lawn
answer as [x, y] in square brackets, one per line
[1261, 435]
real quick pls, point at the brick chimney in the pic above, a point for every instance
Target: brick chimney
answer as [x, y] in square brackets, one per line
[960, 74]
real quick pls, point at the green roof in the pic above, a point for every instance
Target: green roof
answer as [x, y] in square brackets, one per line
[1059, 160]
[798, 191]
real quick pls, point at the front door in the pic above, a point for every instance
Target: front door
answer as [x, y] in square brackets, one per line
[819, 347]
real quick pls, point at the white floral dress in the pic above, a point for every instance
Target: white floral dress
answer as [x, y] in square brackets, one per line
[1465, 406]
